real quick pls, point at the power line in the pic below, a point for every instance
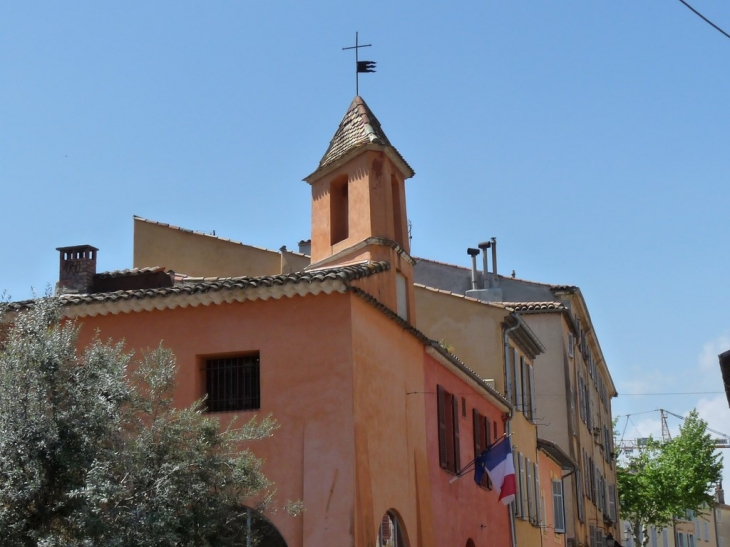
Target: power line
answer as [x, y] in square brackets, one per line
[671, 393]
[705, 19]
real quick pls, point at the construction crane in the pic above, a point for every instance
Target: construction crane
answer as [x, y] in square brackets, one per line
[629, 445]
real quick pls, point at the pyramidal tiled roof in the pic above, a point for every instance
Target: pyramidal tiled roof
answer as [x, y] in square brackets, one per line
[358, 127]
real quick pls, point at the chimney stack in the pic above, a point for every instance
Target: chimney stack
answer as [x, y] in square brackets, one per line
[77, 269]
[487, 281]
[305, 247]
[473, 253]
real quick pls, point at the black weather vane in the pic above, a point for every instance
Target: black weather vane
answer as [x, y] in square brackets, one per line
[360, 66]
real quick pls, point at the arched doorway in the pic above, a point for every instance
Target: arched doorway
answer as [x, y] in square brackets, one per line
[391, 532]
[260, 531]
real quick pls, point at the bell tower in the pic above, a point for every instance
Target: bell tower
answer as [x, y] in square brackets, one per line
[359, 205]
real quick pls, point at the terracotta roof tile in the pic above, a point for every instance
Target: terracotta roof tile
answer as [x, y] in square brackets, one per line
[191, 285]
[535, 306]
[130, 272]
[358, 127]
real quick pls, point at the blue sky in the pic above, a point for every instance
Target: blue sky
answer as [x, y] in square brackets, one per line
[590, 138]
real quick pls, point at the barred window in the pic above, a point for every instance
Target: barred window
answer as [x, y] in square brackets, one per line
[233, 383]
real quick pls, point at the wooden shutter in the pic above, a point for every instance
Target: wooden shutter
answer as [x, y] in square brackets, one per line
[477, 419]
[441, 403]
[530, 489]
[455, 439]
[531, 375]
[486, 422]
[516, 503]
[536, 472]
[523, 487]
[519, 405]
[509, 377]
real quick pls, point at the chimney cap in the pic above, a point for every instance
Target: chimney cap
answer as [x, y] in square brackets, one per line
[485, 244]
[472, 252]
[77, 248]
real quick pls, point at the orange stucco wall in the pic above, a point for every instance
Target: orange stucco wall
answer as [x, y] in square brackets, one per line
[336, 374]
[370, 204]
[463, 510]
[306, 383]
[390, 429]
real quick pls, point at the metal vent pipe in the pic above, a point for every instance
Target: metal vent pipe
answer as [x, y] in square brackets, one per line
[487, 281]
[473, 253]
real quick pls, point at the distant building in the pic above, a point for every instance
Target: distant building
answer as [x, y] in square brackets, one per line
[568, 381]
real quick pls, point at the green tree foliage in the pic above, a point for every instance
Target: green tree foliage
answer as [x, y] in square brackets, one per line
[667, 479]
[93, 452]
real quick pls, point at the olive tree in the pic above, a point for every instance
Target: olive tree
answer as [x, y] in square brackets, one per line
[93, 452]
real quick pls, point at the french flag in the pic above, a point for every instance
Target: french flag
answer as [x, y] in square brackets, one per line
[498, 463]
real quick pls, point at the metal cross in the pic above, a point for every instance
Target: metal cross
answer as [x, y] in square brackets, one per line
[360, 66]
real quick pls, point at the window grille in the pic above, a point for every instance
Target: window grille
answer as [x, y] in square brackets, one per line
[233, 383]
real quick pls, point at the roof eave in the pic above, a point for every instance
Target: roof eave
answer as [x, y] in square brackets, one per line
[389, 151]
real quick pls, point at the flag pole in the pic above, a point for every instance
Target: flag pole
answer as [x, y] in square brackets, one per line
[467, 467]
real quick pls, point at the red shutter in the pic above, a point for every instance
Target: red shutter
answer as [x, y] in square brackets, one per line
[486, 428]
[441, 403]
[477, 419]
[457, 459]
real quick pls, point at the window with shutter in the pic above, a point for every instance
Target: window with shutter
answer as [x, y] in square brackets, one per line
[523, 487]
[592, 535]
[443, 435]
[530, 490]
[531, 400]
[571, 345]
[455, 417]
[579, 494]
[448, 420]
[558, 507]
[518, 498]
[538, 512]
[587, 467]
[481, 441]
[612, 502]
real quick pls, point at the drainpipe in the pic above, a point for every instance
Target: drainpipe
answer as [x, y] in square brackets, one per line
[473, 253]
[487, 281]
[507, 427]
[508, 431]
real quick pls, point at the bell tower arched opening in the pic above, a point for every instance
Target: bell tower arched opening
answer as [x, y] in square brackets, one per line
[339, 209]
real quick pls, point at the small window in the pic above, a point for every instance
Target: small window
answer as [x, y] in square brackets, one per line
[558, 508]
[233, 383]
